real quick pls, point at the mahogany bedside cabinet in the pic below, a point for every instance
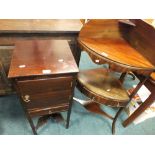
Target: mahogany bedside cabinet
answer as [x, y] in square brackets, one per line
[44, 74]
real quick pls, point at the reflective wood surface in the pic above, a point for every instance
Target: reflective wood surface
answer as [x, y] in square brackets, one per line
[125, 45]
[43, 73]
[41, 57]
[39, 25]
[102, 87]
[12, 30]
[120, 44]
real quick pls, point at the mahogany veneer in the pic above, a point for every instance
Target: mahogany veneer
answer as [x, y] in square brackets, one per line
[44, 74]
[103, 88]
[12, 30]
[40, 56]
[119, 44]
[126, 46]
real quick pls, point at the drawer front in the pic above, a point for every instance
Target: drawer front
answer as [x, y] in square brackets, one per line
[44, 93]
[47, 111]
[38, 86]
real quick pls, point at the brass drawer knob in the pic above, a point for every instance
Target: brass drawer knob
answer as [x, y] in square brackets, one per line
[26, 98]
[50, 112]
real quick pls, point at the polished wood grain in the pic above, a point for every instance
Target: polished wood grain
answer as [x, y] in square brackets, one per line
[41, 57]
[39, 25]
[47, 99]
[100, 28]
[44, 84]
[105, 39]
[45, 92]
[143, 40]
[117, 51]
[125, 45]
[43, 72]
[102, 87]
[12, 30]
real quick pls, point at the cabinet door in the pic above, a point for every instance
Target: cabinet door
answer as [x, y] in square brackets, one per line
[45, 93]
[5, 59]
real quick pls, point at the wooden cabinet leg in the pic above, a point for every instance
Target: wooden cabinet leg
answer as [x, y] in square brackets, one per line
[70, 103]
[31, 124]
[28, 117]
[68, 115]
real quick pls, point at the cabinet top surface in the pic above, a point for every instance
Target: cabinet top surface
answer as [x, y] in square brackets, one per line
[39, 25]
[41, 57]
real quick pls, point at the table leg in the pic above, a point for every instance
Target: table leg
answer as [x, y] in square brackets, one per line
[140, 110]
[94, 107]
[31, 123]
[122, 77]
[115, 119]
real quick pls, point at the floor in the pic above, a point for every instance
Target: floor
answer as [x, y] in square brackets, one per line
[14, 122]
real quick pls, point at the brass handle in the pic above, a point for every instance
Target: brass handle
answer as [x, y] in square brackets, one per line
[26, 98]
[50, 112]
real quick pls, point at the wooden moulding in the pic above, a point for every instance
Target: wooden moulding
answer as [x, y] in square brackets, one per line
[124, 45]
[113, 66]
[107, 98]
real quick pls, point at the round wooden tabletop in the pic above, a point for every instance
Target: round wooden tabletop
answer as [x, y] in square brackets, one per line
[106, 40]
